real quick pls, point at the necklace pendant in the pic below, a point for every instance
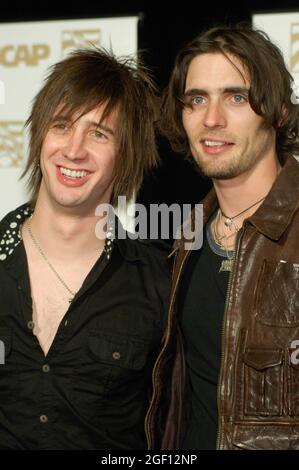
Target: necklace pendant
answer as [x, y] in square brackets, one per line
[70, 300]
[228, 222]
[226, 265]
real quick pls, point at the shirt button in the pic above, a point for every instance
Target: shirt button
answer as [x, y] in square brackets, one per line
[116, 355]
[43, 418]
[46, 368]
[30, 325]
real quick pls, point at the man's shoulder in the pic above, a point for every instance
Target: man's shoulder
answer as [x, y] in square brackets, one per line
[147, 250]
[154, 255]
[158, 246]
[10, 235]
[15, 218]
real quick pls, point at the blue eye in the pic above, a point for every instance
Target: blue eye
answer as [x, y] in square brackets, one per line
[197, 100]
[239, 98]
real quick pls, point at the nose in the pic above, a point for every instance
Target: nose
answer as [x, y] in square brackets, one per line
[75, 145]
[214, 115]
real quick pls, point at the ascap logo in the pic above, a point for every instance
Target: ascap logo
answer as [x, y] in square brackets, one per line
[15, 55]
[294, 52]
[81, 38]
[11, 144]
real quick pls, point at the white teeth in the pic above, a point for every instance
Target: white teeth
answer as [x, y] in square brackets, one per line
[213, 143]
[72, 173]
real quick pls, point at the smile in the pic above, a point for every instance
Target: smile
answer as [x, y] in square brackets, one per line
[73, 173]
[215, 143]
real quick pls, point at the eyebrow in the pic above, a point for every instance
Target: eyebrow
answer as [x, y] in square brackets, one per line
[225, 90]
[97, 125]
[59, 117]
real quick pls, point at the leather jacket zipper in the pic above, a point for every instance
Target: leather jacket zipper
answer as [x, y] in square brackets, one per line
[223, 331]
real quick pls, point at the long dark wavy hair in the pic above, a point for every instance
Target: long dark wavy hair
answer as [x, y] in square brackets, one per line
[270, 84]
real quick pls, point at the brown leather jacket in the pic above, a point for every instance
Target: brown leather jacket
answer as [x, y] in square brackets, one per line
[258, 390]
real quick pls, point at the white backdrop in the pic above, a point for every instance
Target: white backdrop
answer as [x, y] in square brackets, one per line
[26, 51]
[283, 30]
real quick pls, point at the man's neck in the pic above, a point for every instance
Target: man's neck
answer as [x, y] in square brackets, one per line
[236, 194]
[65, 234]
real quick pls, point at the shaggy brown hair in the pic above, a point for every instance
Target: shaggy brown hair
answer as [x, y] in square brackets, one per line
[270, 84]
[83, 81]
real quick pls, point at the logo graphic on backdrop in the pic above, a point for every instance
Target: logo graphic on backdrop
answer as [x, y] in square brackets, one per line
[11, 144]
[295, 92]
[294, 52]
[80, 38]
[12, 55]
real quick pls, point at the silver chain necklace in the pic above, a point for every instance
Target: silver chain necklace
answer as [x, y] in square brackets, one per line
[227, 263]
[229, 222]
[35, 242]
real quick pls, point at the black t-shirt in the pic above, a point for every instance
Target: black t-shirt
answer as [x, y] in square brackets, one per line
[201, 306]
